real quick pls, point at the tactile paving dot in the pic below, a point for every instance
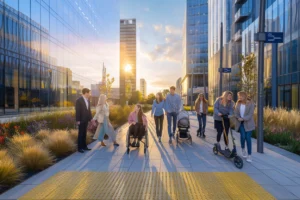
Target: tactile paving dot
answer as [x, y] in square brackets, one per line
[148, 185]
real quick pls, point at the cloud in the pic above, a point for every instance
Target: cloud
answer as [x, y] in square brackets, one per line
[157, 27]
[173, 30]
[140, 24]
[170, 50]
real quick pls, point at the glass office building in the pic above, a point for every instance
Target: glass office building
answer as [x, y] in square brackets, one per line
[40, 43]
[281, 16]
[219, 11]
[195, 44]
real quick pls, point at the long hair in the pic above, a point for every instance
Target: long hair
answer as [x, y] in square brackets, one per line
[198, 99]
[224, 96]
[244, 94]
[140, 113]
[160, 97]
[102, 100]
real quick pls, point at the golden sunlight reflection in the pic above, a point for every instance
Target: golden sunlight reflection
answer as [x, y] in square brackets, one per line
[128, 68]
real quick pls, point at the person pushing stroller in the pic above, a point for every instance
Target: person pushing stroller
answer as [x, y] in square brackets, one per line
[223, 107]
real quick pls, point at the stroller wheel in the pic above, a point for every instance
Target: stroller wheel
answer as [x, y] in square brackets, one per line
[238, 162]
[177, 139]
[128, 150]
[215, 150]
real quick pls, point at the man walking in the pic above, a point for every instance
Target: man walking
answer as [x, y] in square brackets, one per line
[173, 106]
[83, 116]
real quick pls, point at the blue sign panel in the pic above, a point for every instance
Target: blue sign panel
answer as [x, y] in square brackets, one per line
[274, 37]
[226, 70]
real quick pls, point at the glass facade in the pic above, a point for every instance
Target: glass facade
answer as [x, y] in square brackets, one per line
[40, 42]
[281, 16]
[195, 44]
[219, 11]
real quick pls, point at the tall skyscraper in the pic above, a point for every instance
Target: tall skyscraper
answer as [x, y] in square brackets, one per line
[195, 44]
[219, 11]
[143, 87]
[127, 57]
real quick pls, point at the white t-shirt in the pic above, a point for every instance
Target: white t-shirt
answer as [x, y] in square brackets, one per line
[86, 102]
[201, 107]
[242, 110]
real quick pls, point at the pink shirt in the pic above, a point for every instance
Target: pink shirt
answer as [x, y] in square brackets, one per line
[132, 118]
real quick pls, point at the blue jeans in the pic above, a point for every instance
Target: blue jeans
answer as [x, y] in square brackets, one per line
[202, 122]
[246, 136]
[169, 118]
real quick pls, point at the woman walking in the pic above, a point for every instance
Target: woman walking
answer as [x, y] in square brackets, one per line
[138, 125]
[223, 107]
[243, 112]
[158, 112]
[201, 108]
[104, 126]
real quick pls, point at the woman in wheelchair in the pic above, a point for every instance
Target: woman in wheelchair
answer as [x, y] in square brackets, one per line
[138, 125]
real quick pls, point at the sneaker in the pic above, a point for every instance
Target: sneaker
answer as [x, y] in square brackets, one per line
[159, 139]
[198, 133]
[170, 140]
[249, 159]
[244, 154]
[173, 136]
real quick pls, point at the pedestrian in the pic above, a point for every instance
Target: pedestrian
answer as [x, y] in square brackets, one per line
[244, 111]
[201, 107]
[138, 125]
[158, 113]
[223, 108]
[173, 106]
[83, 117]
[104, 125]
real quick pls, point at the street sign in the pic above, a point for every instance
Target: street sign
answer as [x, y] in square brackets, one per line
[226, 70]
[269, 37]
[274, 37]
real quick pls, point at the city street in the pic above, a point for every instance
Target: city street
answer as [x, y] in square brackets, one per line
[277, 170]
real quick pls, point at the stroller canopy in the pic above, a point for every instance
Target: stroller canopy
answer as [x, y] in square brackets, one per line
[183, 119]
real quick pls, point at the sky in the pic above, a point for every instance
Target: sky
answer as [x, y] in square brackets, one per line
[159, 39]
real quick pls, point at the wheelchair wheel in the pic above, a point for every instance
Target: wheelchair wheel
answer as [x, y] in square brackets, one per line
[146, 140]
[128, 150]
[127, 139]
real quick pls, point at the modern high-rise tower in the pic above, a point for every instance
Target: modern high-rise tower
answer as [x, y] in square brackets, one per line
[195, 50]
[127, 57]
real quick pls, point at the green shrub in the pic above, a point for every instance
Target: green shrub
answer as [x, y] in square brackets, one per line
[9, 172]
[34, 158]
[60, 144]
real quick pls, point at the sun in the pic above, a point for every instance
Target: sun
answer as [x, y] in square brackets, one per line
[128, 68]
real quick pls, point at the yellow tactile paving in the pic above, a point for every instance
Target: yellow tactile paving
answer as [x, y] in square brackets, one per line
[149, 185]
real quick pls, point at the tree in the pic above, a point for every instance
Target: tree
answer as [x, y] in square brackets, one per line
[150, 98]
[248, 75]
[135, 98]
[165, 92]
[106, 88]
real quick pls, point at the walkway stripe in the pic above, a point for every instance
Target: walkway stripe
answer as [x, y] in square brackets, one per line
[149, 185]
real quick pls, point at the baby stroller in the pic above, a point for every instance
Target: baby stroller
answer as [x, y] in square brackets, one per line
[129, 139]
[183, 125]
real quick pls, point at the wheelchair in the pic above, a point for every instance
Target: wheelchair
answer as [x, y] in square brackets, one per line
[144, 140]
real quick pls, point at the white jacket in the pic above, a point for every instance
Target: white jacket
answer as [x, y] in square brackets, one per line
[101, 111]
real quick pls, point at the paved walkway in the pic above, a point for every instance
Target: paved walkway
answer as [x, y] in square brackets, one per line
[277, 171]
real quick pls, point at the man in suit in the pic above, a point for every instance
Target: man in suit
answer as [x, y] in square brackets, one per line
[83, 116]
